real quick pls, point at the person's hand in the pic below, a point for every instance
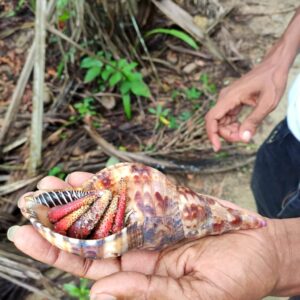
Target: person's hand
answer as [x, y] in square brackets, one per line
[261, 89]
[238, 265]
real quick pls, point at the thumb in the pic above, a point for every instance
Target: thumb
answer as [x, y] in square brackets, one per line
[134, 285]
[249, 125]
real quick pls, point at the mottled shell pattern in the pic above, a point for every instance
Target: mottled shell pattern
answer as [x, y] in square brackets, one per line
[159, 213]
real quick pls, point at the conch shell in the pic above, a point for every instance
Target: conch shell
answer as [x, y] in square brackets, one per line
[129, 206]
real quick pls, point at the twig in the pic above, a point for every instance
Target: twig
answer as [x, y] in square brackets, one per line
[22, 81]
[38, 88]
[27, 286]
[142, 41]
[201, 167]
[18, 93]
[12, 187]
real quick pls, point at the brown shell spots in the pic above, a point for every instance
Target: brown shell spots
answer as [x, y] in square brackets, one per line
[218, 228]
[209, 200]
[237, 219]
[160, 201]
[104, 179]
[194, 214]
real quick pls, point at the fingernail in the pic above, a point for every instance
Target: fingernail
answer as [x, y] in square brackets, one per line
[20, 201]
[246, 136]
[11, 232]
[39, 184]
[215, 148]
[103, 297]
[67, 178]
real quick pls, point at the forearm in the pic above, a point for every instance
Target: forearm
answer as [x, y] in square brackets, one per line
[288, 46]
[286, 234]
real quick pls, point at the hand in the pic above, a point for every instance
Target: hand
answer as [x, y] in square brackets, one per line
[238, 265]
[261, 88]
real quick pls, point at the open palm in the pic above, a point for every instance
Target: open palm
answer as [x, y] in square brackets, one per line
[238, 265]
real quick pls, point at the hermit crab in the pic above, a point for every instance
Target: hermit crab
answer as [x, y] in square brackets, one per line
[129, 206]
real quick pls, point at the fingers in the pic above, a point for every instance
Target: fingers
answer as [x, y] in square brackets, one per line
[76, 179]
[225, 107]
[29, 241]
[133, 285]
[254, 119]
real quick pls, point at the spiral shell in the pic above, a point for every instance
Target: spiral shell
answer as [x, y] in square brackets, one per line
[158, 213]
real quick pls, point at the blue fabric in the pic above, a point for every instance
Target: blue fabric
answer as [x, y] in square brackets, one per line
[276, 175]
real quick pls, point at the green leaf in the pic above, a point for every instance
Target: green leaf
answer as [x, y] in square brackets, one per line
[139, 88]
[112, 161]
[115, 79]
[152, 110]
[177, 33]
[107, 72]
[130, 67]
[61, 3]
[127, 105]
[91, 74]
[72, 289]
[185, 115]
[204, 79]
[90, 62]
[65, 16]
[192, 93]
[125, 87]
[173, 123]
[54, 171]
[122, 63]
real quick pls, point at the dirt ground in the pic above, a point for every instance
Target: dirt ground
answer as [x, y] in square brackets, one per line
[266, 21]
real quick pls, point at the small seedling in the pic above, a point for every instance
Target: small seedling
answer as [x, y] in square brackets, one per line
[119, 74]
[161, 115]
[207, 85]
[80, 292]
[185, 115]
[192, 93]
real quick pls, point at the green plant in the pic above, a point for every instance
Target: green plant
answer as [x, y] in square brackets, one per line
[177, 33]
[185, 115]
[68, 56]
[119, 74]
[80, 292]
[192, 93]
[85, 108]
[207, 85]
[57, 171]
[63, 12]
[161, 115]
[221, 155]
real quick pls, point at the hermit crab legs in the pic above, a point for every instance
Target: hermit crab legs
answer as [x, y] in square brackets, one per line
[129, 206]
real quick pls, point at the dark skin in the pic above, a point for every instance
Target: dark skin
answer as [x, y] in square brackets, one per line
[261, 89]
[230, 266]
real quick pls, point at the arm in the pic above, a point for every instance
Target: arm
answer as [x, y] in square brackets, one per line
[261, 88]
[287, 234]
